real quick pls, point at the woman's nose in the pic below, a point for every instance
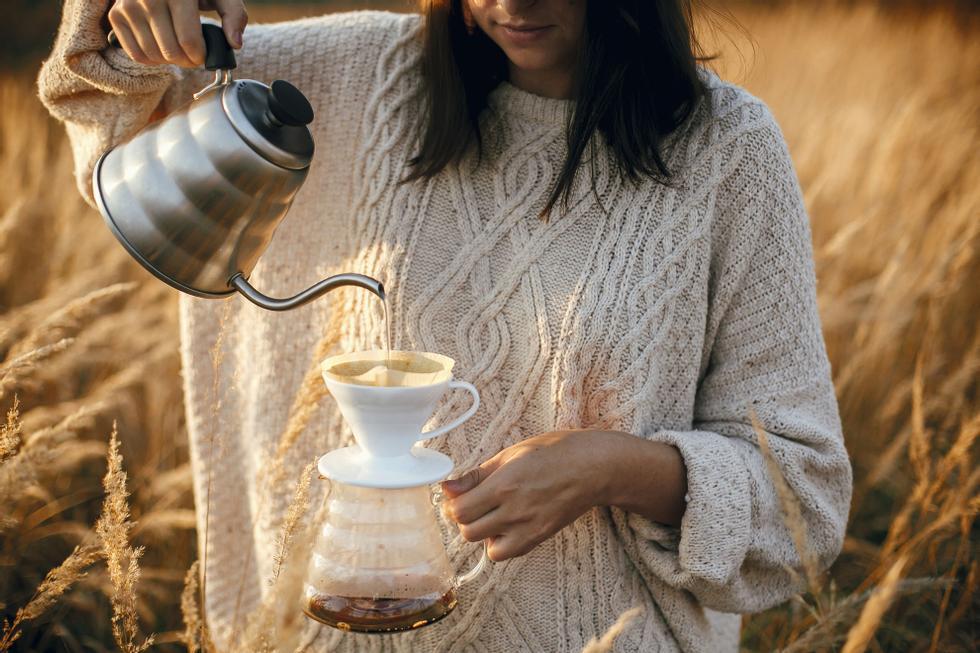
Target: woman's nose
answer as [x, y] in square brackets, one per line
[514, 6]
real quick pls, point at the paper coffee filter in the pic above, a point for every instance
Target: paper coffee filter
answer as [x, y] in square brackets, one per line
[404, 369]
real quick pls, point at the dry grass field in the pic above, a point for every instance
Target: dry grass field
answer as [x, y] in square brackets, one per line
[881, 110]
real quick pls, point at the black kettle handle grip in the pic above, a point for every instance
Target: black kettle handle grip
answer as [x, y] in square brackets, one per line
[219, 53]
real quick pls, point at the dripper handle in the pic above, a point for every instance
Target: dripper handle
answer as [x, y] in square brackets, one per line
[462, 385]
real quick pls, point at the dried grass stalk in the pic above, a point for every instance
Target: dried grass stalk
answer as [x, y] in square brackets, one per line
[190, 609]
[968, 590]
[18, 466]
[68, 427]
[217, 357]
[297, 508]
[305, 404]
[122, 560]
[16, 475]
[10, 433]
[57, 581]
[276, 624]
[70, 319]
[792, 513]
[605, 643]
[828, 632]
[46, 453]
[862, 632]
[166, 521]
[13, 371]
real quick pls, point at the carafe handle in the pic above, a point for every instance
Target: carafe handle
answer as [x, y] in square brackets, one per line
[481, 564]
[477, 569]
[463, 385]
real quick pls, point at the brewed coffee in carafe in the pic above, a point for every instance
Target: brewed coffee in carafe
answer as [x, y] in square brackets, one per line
[379, 564]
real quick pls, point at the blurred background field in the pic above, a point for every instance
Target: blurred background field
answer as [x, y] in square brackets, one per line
[880, 103]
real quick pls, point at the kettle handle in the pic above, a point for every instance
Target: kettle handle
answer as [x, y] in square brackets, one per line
[219, 54]
[241, 284]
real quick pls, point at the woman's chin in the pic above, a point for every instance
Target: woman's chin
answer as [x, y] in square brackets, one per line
[528, 63]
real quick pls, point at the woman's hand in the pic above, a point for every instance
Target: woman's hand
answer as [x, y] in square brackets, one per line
[531, 490]
[169, 31]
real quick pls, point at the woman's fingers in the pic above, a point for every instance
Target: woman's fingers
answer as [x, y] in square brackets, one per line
[517, 541]
[141, 29]
[469, 507]
[458, 486]
[162, 28]
[128, 42]
[130, 15]
[159, 31]
[234, 18]
[487, 526]
[505, 547]
[474, 494]
[187, 27]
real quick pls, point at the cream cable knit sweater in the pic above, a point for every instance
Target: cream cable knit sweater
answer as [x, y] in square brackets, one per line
[669, 315]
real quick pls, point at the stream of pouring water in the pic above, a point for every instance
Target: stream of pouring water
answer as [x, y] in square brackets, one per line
[387, 326]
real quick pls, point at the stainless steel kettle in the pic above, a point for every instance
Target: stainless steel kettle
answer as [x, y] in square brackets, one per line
[196, 197]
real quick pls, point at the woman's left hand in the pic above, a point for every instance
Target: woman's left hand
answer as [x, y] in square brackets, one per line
[530, 491]
[533, 489]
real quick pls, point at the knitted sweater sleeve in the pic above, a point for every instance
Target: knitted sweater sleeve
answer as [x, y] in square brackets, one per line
[734, 552]
[100, 94]
[103, 97]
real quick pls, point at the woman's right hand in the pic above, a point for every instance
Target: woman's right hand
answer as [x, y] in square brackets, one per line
[169, 31]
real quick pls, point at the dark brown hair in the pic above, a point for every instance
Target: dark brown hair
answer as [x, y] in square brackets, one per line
[637, 81]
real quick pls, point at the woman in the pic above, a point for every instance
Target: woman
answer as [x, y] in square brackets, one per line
[608, 239]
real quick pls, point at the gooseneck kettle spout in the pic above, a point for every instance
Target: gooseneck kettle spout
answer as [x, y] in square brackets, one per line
[196, 198]
[241, 284]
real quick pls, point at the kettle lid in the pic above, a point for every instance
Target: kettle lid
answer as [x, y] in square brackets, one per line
[272, 120]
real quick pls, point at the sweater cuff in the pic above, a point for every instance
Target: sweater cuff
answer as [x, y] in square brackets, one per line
[82, 47]
[715, 532]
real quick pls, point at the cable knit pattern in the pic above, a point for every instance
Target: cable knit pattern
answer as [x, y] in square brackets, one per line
[667, 312]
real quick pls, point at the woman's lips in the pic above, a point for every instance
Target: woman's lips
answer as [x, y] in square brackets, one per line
[525, 34]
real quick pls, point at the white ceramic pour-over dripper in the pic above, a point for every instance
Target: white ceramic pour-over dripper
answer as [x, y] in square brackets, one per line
[386, 408]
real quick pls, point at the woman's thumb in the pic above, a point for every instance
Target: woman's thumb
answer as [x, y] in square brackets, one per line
[234, 18]
[469, 480]
[457, 486]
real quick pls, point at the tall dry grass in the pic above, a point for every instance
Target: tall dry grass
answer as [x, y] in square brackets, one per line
[880, 110]
[85, 340]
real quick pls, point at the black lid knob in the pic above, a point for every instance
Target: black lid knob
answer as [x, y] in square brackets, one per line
[288, 105]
